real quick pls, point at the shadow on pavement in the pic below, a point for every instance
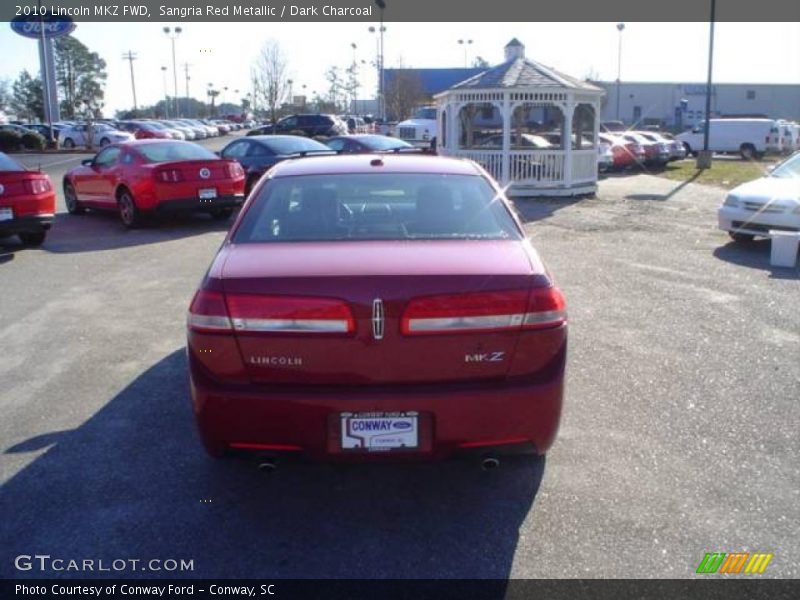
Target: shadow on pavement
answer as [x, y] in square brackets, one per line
[538, 209]
[97, 231]
[755, 255]
[133, 482]
[667, 196]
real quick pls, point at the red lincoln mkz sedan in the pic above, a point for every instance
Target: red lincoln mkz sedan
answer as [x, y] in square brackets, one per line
[373, 306]
[155, 176]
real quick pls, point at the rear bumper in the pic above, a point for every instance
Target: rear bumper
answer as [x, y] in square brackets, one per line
[28, 223]
[478, 418]
[195, 204]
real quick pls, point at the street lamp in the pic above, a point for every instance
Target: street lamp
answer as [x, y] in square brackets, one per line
[166, 96]
[381, 4]
[465, 43]
[620, 28]
[173, 34]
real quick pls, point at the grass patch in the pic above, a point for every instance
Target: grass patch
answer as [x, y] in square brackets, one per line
[724, 172]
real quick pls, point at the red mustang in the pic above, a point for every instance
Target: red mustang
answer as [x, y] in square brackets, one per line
[27, 202]
[155, 176]
[373, 306]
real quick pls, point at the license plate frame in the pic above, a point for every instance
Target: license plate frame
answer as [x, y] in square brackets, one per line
[385, 431]
[207, 193]
[6, 213]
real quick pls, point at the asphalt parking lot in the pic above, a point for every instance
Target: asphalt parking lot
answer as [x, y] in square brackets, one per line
[679, 435]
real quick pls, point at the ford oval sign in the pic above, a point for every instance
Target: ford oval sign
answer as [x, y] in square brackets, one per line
[31, 26]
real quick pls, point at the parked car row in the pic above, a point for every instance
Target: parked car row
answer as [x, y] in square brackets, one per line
[73, 134]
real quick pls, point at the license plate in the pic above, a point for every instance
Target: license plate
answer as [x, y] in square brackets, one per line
[380, 432]
[207, 193]
[6, 214]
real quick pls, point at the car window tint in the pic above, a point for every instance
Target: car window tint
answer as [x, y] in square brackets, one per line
[7, 164]
[236, 150]
[258, 150]
[371, 206]
[107, 157]
[168, 151]
[335, 144]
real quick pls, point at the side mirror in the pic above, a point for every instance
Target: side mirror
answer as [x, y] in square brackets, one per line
[218, 153]
[87, 162]
[771, 168]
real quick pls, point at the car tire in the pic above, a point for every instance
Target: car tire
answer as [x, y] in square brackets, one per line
[741, 238]
[748, 152]
[69, 143]
[688, 148]
[32, 238]
[221, 214]
[71, 200]
[129, 214]
[104, 142]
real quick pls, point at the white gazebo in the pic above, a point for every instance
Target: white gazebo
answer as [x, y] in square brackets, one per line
[528, 125]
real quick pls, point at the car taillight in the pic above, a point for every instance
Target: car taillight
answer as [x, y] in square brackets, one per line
[37, 186]
[485, 311]
[289, 314]
[169, 175]
[208, 313]
[235, 170]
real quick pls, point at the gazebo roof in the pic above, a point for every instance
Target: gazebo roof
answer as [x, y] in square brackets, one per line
[522, 72]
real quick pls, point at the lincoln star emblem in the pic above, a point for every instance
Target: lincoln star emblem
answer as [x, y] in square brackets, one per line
[205, 173]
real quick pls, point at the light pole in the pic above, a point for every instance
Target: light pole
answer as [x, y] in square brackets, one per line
[186, 73]
[381, 4]
[704, 157]
[166, 95]
[173, 34]
[465, 43]
[289, 83]
[354, 80]
[620, 28]
[130, 57]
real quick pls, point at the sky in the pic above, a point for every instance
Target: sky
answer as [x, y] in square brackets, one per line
[222, 53]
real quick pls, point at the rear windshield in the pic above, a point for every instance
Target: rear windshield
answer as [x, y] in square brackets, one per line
[168, 151]
[376, 207]
[384, 143]
[6, 164]
[293, 145]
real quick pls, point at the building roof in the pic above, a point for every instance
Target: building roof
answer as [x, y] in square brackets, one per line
[433, 80]
[522, 72]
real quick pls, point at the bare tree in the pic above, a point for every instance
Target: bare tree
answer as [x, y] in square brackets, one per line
[403, 93]
[271, 77]
[336, 84]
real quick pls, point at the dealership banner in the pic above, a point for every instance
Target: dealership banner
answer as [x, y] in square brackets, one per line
[401, 10]
[404, 589]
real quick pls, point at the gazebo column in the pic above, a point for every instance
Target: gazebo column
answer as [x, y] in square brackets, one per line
[566, 139]
[507, 110]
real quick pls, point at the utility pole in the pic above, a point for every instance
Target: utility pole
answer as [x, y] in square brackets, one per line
[130, 57]
[704, 157]
[186, 66]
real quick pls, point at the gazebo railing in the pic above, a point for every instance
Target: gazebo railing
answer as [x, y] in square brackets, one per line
[545, 166]
[584, 165]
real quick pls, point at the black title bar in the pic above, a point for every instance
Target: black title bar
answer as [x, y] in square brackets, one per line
[713, 588]
[439, 11]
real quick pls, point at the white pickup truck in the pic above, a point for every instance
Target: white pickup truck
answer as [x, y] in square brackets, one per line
[420, 129]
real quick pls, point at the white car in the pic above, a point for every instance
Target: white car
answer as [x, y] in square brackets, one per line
[769, 203]
[102, 135]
